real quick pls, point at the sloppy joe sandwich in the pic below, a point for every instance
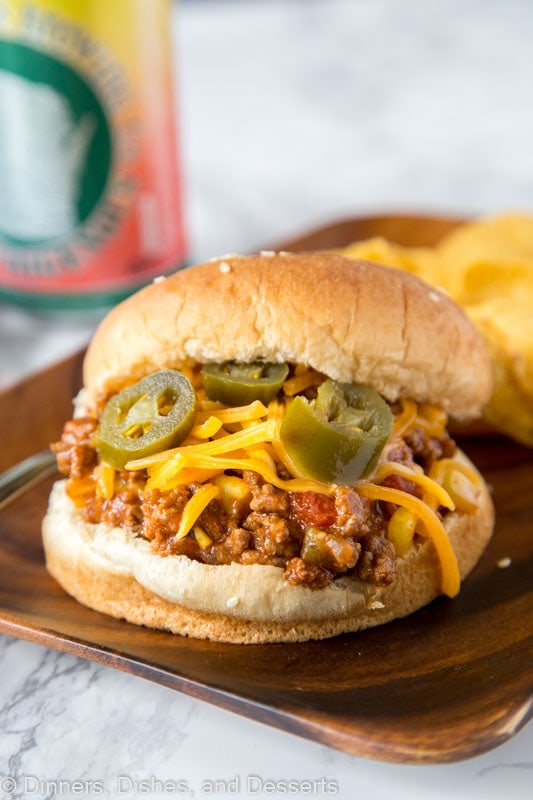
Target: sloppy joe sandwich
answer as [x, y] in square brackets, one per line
[260, 452]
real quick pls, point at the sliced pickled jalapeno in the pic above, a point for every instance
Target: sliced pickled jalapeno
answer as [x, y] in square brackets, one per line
[151, 415]
[236, 384]
[338, 437]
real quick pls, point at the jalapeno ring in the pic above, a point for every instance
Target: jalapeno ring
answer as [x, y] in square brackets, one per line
[338, 437]
[233, 383]
[151, 415]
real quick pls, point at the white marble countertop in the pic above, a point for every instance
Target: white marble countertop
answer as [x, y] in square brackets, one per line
[292, 114]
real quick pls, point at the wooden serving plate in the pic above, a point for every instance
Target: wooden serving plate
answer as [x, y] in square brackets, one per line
[445, 684]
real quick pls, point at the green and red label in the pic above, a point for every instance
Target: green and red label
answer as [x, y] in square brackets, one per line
[89, 184]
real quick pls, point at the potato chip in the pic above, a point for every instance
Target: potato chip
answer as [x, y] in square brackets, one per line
[508, 331]
[488, 258]
[511, 326]
[486, 266]
[417, 260]
[509, 234]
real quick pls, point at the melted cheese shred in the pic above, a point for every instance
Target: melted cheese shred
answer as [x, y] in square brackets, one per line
[440, 468]
[430, 486]
[450, 577]
[301, 382]
[254, 410]
[105, 480]
[205, 430]
[260, 466]
[406, 419]
[194, 507]
[247, 438]
[430, 418]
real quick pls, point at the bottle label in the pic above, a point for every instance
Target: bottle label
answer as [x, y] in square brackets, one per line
[89, 198]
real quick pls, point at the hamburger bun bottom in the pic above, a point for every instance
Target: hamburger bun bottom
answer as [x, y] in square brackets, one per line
[99, 577]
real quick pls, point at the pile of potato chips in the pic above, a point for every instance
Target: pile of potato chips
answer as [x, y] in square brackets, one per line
[487, 267]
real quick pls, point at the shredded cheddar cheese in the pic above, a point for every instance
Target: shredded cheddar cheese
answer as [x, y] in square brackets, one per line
[169, 477]
[207, 429]
[262, 453]
[253, 411]
[194, 507]
[264, 431]
[253, 448]
[202, 538]
[439, 468]
[432, 419]
[302, 381]
[162, 473]
[105, 480]
[247, 438]
[406, 419]
[262, 468]
[430, 486]
[450, 578]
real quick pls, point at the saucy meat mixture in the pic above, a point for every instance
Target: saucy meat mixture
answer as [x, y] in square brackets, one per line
[313, 537]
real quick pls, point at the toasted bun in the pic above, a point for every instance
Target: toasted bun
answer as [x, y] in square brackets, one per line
[110, 571]
[352, 320]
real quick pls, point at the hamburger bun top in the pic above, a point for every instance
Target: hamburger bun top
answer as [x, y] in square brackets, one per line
[355, 321]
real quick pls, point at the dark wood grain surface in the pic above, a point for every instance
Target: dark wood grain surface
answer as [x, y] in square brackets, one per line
[447, 683]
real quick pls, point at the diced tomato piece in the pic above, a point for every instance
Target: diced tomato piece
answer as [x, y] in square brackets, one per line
[312, 508]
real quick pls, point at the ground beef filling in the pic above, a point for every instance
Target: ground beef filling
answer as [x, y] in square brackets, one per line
[313, 537]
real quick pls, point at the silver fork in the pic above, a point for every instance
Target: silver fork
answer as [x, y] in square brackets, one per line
[25, 474]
